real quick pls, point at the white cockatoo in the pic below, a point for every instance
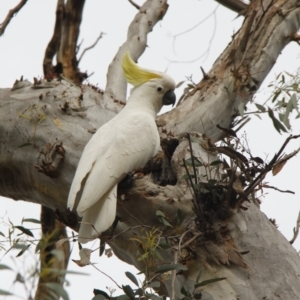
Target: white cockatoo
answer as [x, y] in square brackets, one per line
[125, 143]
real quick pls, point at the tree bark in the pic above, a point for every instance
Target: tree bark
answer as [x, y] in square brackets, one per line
[46, 125]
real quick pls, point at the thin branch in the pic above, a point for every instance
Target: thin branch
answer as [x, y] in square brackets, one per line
[190, 241]
[106, 276]
[92, 46]
[268, 167]
[205, 53]
[192, 184]
[10, 15]
[296, 230]
[134, 4]
[277, 189]
[174, 277]
[192, 158]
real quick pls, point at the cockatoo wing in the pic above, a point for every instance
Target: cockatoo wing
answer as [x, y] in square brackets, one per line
[134, 142]
[101, 215]
[96, 146]
[123, 144]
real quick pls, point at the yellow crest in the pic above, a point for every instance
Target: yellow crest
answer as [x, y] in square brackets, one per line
[135, 74]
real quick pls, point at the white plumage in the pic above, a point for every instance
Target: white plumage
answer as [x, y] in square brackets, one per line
[123, 144]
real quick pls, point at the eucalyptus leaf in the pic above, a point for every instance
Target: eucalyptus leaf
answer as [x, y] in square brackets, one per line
[205, 282]
[30, 220]
[132, 278]
[167, 268]
[25, 230]
[5, 293]
[4, 267]
[128, 291]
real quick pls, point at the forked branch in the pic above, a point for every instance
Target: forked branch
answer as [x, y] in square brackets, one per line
[10, 15]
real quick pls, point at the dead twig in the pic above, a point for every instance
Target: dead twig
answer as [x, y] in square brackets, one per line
[296, 230]
[92, 46]
[134, 4]
[107, 276]
[277, 189]
[10, 15]
[174, 276]
[268, 167]
[235, 5]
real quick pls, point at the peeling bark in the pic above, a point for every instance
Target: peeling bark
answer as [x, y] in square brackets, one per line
[41, 119]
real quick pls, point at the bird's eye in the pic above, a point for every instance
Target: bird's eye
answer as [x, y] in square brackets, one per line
[159, 89]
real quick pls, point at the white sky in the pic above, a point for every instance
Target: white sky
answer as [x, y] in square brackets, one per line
[21, 53]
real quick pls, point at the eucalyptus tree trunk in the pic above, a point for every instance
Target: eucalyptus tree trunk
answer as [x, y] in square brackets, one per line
[45, 126]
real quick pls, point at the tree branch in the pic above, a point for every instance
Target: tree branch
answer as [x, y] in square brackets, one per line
[10, 15]
[90, 47]
[149, 14]
[54, 44]
[235, 5]
[244, 73]
[296, 229]
[69, 37]
[134, 4]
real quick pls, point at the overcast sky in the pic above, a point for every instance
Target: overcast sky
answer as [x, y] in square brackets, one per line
[21, 53]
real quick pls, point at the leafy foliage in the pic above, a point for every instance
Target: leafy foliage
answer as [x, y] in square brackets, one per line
[284, 101]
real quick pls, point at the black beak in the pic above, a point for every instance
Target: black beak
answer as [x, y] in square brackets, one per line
[169, 98]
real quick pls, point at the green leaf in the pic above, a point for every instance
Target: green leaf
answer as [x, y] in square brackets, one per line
[154, 284]
[197, 162]
[59, 255]
[100, 292]
[276, 94]
[39, 245]
[161, 218]
[153, 296]
[100, 297]
[212, 182]
[186, 176]
[121, 297]
[179, 84]
[4, 267]
[102, 247]
[178, 216]
[5, 293]
[24, 145]
[260, 107]
[159, 213]
[128, 291]
[293, 100]
[205, 282]
[216, 162]
[277, 124]
[198, 296]
[165, 222]
[25, 230]
[164, 245]
[139, 292]
[115, 223]
[241, 108]
[184, 292]
[167, 268]
[31, 221]
[198, 276]
[57, 289]
[23, 250]
[132, 278]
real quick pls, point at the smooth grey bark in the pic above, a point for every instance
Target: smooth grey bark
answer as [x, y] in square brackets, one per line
[38, 120]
